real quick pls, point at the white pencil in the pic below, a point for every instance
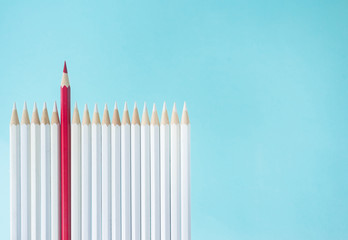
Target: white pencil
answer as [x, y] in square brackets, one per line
[185, 176]
[145, 175]
[55, 173]
[175, 175]
[116, 175]
[25, 175]
[86, 190]
[35, 175]
[125, 176]
[106, 176]
[96, 176]
[155, 176]
[15, 178]
[45, 175]
[165, 174]
[135, 173]
[76, 175]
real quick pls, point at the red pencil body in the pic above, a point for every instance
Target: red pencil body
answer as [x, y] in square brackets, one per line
[65, 174]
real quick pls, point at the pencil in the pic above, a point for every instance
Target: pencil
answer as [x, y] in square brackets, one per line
[185, 176]
[45, 175]
[65, 167]
[96, 175]
[116, 175]
[135, 173]
[145, 175]
[25, 174]
[55, 174]
[15, 178]
[175, 174]
[106, 175]
[165, 174]
[155, 176]
[76, 175]
[125, 175]
[35, 174]
[86, 191]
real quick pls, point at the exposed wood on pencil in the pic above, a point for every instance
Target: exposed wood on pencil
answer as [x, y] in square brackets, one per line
[44, 117]
[85, 119]
[135, 118]
[164, 117]
[125, 116]
[106, 117]
[116, 117]
[185, 118]
[96, 119]
[65, 78]
[175, 117]
[55, 117]
[14, 116]
[35, 117]
[154, 117]
[76, 115]
[145, 118]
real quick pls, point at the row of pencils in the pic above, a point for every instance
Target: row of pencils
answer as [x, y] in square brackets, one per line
[109, 179]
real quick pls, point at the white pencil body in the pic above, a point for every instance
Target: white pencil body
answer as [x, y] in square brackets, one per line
[155, 183]
[35, 181]
[25, 181]
[45, 181]
[76, 181]
[106, 182]
[135, 174]
[15, 185]
[96, 181]
[165, 181]
[55, 181]
[116, 180]
[125, 182]
[145, 182]
[175, 180]
[86, 190]
[185, 182]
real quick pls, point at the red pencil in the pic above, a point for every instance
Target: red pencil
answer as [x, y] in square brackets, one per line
[65, 152]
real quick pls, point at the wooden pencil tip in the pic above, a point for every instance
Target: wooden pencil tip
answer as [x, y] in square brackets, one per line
[154, 108]
[135, 105]
[115, 107]
[25, 115]
[145, 118]
[96, 119]
[76, 115]
[25, 106]
[125, 107]
[164, 117]
[86, 108]
[86, 119]
[45, 106]
[75, 107]
[55, 107]
[35, 107]
[95, 108]
[105, 107]
[185, 108]
[65, 70]
[185, 118]
[14, 106]
[14, 116]
[44, 116]
[135, 118]
[174, 107]
[35, 117]
[116, 116]
[175, 116]
[154, 117]
[106, 117]
[125, 116]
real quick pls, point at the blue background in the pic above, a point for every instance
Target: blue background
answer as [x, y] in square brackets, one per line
[265, 84]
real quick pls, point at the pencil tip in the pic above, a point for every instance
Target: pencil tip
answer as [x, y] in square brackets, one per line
[14, 106]
[154, 107]
[164, 107]
[174, 107]
[135, 105]
[45, 105]
[35, 107]
[65, 70]
[25, 106]
[145, 107]
[185, 108]
[86, 108]
[95, 108]
[55, 107]
[75, 105]
[115, 107]
[125, 107]
[106, 107]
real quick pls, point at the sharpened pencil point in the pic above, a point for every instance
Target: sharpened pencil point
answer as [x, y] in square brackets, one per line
[95, 108]
[35, 117]
[55, 107]
[14, 116]
[164, 117]
[25, 106]
[125, 107]
[14, 106]
[85, 119]
[76, 115]
[75, 105]
[185, 108]
[125, 116]
[135, 119]
[96, 119]
[106, 117]
[185, 118]
[145, 118]
[116, 116]
[45, 105]
[25, 115]
[115, 107]
[65, 70]
[105, 107]
[174, 108]
[175, 116]
[86, 108]
[154, 107]
[154, 117]
[44, 116]
[35, 107]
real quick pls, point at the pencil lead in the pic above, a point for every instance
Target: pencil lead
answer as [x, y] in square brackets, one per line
[135, 119]
[25, 115]
[164, 117]
[14, 116]
[116, 116]
[65, 70]
[106, 118]
[154, 117]
[175, 116]
[96, 119]
[35, 117]
[86, 119]
[44, 116]
[55, 107]
[125, 117]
